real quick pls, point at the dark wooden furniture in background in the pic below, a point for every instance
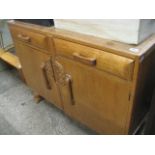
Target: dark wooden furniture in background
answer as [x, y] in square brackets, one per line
[103, 84]
[149, 127]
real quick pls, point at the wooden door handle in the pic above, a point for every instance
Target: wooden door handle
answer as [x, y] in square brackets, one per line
[47, 83]
[52, 68]
[24, 37]
[84, 59]
[69, 82]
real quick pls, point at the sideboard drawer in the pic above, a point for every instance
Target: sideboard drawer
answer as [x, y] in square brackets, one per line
[68, 49]
[29, 37]
[108, 62]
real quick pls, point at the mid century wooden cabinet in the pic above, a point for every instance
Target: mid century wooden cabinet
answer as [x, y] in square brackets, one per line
[103, 84]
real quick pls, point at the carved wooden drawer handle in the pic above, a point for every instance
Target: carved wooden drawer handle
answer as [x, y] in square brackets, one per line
[24, 37]
[47, 83]
[85, 60]
[69, 81]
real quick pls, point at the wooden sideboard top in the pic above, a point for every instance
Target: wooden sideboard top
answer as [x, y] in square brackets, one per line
[127, 50]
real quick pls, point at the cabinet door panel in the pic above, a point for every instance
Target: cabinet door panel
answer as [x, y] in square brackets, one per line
[96, 98]
[32, 61]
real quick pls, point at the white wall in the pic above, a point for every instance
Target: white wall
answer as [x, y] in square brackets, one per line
[5, 33]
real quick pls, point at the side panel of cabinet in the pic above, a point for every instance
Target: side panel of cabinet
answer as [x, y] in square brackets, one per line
[32, 61]
[95, 98]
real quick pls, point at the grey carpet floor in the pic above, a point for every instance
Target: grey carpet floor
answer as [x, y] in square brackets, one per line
[19, 114]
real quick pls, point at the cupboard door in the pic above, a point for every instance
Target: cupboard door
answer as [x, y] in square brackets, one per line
[38, 72]
[95, 98]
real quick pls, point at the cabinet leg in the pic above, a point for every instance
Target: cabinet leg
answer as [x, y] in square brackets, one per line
[20, 72]
[37, 98]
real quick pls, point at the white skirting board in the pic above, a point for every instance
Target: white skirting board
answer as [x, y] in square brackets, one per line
[131, 31]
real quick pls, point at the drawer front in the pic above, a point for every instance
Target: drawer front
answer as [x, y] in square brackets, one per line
[118, 65]
[29, 37]
[108, 62]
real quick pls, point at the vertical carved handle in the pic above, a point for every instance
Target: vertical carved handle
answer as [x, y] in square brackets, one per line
[52, 68]
[43, 68]
[69, 81]
[63, 79]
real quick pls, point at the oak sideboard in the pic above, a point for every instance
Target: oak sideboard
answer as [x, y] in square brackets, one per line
[103, 84]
